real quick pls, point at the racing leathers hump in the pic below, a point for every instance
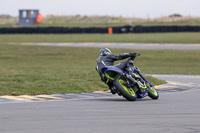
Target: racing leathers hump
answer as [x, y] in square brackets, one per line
[108, 60]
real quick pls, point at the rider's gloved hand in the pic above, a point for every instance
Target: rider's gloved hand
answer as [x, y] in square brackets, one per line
[132, 54]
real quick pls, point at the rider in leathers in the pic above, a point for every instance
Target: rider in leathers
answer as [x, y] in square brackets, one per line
[106, 58]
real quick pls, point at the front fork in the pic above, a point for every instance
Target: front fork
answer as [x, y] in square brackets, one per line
[141, 81]
[149, 86]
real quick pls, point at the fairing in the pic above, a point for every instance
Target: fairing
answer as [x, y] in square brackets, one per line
[111, 68]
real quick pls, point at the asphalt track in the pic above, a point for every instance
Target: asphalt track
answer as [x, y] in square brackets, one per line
[174, 112]
[121, 45]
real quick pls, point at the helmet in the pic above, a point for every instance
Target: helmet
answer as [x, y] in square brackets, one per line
[104, 51]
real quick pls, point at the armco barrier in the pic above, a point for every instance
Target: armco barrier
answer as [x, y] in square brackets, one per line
[118, 30]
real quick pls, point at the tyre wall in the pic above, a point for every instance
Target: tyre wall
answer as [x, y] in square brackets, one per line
[103, 30]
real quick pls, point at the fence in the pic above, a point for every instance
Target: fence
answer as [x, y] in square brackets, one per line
[117, 30]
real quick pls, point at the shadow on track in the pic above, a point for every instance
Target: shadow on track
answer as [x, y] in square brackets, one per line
[119, 100]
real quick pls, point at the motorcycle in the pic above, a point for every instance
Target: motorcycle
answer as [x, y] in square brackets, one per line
[129, 82]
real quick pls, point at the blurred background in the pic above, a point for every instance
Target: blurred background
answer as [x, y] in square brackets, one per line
[86, 26]
[103, 13]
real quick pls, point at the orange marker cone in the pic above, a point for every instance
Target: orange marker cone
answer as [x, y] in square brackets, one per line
[110, 30]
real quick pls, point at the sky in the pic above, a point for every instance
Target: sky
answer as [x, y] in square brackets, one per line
[124, 8]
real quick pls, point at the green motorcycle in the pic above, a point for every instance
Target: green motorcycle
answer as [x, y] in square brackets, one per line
[132, 85]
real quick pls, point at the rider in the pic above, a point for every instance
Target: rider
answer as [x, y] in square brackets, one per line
[106, 58]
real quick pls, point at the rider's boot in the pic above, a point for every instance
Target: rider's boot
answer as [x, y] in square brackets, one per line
[112, 88]
[129, 76]
[133, 77]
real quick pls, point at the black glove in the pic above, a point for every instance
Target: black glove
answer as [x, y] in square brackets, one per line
[132, 54]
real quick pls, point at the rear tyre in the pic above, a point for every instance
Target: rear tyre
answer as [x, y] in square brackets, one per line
[120, 85]
[152, 93]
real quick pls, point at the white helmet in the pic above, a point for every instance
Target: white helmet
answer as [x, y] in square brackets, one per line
[104, 52]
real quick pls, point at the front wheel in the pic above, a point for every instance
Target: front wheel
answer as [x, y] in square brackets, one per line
[121, 85]
[152, 92]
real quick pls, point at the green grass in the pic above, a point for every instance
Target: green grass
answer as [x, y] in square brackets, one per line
[192, 38]
[80, 25]
[144, 23]
[57, 21]
[49, 70]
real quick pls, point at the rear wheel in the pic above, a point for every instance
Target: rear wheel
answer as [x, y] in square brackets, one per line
[121, 85]
[152, 93]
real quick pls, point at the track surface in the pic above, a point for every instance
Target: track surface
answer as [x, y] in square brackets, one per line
[188, 79]
[172, 113]
[122, 45]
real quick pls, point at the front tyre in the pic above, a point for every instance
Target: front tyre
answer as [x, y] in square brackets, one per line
[121, 85]
[152, 93]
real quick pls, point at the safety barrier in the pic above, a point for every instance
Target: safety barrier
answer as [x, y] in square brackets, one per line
[109, 30]
[156, 29]
[51, 30]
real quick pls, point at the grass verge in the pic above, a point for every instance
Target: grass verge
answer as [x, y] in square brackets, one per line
[191, 38]
[50, 70]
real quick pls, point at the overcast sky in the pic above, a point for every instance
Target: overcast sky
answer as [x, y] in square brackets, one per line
[125, 8]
